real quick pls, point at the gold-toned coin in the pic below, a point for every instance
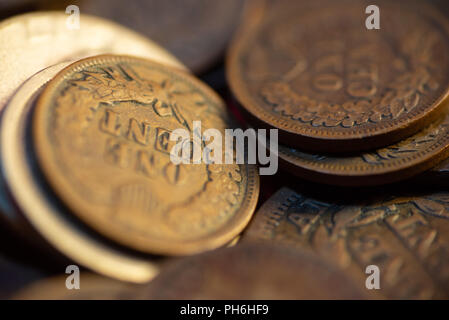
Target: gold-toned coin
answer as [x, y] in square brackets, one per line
[34, 41]
[101, 135]
[404, 159]
[313, 70]
[34, 203]
[405, 236]
[91, 287]
[252, 272]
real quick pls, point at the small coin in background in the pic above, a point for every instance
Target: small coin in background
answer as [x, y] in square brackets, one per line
[34, 41]
[195, 31]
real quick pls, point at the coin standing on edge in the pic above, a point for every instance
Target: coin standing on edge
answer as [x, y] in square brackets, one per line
[40, 209]
[396, 162]
[252, 272]
[406, 237]
[101, 133]
[335, 86]
[31, 42]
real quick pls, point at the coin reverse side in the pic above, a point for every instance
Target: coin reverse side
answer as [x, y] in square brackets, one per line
[101, 136]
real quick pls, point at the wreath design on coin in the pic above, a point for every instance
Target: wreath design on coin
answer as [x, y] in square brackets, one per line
[402, 95]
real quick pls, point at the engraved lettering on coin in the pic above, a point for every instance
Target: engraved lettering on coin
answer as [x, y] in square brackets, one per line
[405, 236]
[389, 164]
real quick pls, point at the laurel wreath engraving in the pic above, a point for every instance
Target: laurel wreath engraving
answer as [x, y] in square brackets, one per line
[400, 97]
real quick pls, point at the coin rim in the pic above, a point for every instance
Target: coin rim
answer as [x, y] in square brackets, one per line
[367, 174]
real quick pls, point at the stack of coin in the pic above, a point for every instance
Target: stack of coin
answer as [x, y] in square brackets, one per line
[352, 106]
[85, 149]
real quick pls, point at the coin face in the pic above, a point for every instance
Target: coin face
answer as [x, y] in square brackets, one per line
[31, 202]
[329, 84]
[92, 287]
[406, 237]
[195, 31]
[101, 135]
[34, 41]
[252, 272]
[389, 164]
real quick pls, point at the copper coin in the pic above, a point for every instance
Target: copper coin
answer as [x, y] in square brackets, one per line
[405, 236]
[404, 159]
[30, 207]
[91, 287]
[101, 135]
[252, 272]
[316, 73]
[195, 31]
[35, 41]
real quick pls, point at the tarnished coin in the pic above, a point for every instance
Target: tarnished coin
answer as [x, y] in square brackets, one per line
[406, 237]
[31, 202]
[195, 31]
[404, 159]
[252, 272]
[34, 41]
[314, 71]
[102, 137]
[91, 287]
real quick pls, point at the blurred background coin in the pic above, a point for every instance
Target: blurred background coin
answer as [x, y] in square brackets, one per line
[109, 118]
[195, 31]
[33, 203]
[313, 70]
[92, 286]
[406, 236]
[252, 272]
[34, 41]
